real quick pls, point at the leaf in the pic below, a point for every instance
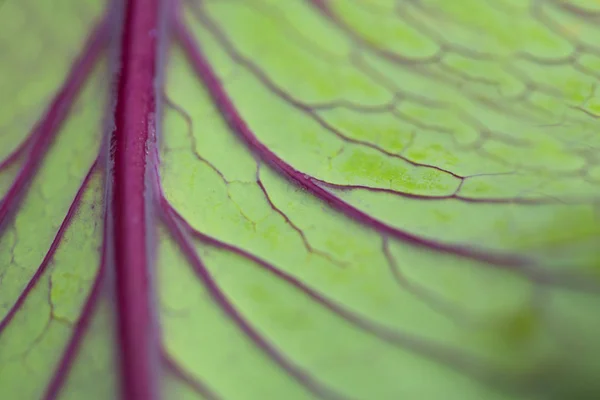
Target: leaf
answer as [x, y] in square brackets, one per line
[304, 199]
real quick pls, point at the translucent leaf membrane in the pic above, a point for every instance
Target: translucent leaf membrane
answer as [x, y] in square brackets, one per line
[36, 46]
[359, 213]
[346, 200]
[56, 328]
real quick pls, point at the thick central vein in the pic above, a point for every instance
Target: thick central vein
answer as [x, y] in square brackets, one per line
[135, 124]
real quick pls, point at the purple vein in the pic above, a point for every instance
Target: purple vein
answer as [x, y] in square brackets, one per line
[230, 49]
[428, 297]
[518, 263]
[584, 14]
[199, 387]
[322, 5]
[18, 151]
[64, 366]
[449, 356]
[269, 84]
[456, 196]
[238, 125]
[51, 251]
[48, 126]
[131, 212]
[392, 336]
[288, 221]
[395, 58]
[401, 10]
[295, 371]
[324, 8]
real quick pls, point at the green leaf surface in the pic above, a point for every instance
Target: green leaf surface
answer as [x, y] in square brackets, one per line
[367, 199]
